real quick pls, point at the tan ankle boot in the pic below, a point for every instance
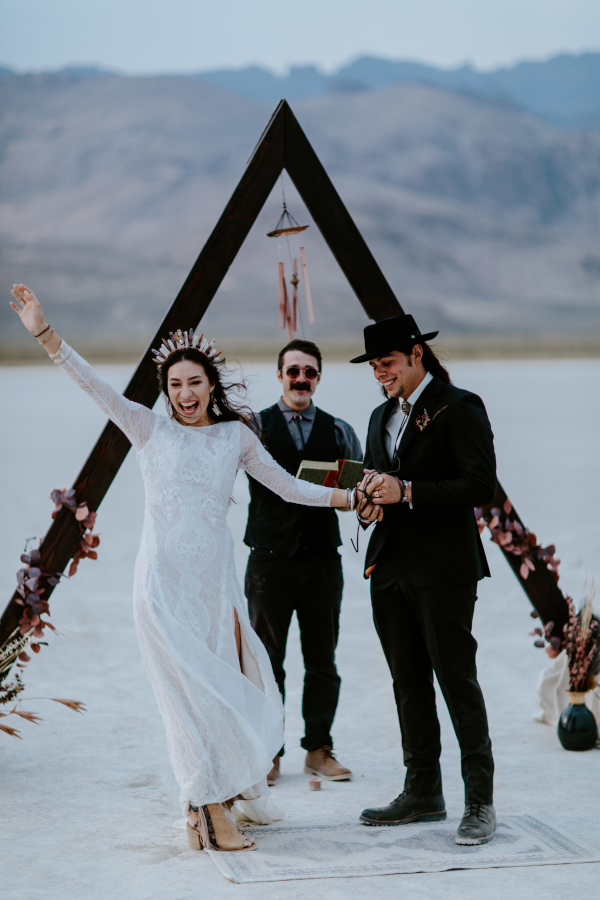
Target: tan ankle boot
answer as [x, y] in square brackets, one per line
[214, 829]
[322, 762]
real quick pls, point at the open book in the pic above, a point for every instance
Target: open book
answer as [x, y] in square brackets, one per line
[345, 472]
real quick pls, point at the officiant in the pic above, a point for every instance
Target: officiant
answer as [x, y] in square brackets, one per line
[294, 564]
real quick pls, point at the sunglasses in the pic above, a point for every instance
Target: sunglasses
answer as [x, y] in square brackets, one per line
[309, 372]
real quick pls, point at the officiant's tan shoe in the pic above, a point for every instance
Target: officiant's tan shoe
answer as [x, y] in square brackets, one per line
[273, 775]
[322, 762]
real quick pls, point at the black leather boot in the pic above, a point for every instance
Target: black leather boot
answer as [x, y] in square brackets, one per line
[478, 824]
[407, 808]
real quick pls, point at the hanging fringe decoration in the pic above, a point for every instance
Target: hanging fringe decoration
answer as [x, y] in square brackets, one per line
[309, 305]
[294, 280]
[285, 314]
[289, 313]
[281, 297]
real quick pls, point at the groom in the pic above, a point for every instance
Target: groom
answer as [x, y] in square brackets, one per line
[432, 450]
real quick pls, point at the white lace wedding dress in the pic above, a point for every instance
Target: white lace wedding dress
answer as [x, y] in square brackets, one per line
[224, 723]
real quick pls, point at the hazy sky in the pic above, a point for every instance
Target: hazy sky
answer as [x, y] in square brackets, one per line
[191, 35]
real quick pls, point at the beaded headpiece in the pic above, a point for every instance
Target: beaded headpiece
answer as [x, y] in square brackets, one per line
[182, 339]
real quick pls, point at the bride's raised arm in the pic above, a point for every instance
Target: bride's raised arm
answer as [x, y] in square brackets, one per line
[259, 463]
[135, 420]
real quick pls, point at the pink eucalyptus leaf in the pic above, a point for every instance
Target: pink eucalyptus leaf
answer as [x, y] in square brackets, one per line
[82, 512]
[523, 571]
[507, 506]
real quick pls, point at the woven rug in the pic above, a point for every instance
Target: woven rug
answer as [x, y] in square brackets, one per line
[286, 852]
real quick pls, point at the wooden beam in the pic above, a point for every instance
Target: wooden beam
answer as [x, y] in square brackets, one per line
[540, 586]
[336, 224]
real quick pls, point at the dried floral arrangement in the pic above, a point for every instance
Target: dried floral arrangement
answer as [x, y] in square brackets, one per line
[581, 644]
[32, 583]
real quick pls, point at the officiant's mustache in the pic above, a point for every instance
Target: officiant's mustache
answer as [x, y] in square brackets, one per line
[300, 386]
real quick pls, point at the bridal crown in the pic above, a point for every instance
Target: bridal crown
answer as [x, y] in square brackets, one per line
[182, 339]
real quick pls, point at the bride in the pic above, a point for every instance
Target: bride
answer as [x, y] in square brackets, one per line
[210, 672]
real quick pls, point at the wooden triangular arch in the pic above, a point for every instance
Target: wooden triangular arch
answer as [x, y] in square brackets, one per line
[283, 145]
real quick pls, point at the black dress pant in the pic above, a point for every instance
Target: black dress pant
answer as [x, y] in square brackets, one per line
[425, 630]
[310, 583]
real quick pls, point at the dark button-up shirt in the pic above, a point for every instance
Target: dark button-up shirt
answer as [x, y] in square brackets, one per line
[300, 423]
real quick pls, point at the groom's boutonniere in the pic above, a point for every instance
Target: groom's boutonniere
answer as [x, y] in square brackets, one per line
[425, 421]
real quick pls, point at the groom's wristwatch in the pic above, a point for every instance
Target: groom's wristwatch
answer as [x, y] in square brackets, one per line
[405, 487]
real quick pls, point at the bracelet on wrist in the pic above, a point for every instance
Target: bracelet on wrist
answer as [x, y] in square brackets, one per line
[43, 331]
[401, 486]
[49, 336]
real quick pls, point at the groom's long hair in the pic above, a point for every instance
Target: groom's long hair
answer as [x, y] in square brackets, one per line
[432, 364]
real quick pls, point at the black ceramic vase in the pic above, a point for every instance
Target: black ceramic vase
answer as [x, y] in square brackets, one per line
[577, 728]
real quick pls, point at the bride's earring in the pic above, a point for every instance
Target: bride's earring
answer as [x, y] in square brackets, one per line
[215, 409]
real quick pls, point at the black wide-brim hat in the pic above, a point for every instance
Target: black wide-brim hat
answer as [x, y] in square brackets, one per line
[395, 333]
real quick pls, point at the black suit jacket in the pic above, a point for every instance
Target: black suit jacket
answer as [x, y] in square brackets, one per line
[452, 467]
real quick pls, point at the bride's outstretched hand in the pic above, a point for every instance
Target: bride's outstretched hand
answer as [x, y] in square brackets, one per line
[29, 308]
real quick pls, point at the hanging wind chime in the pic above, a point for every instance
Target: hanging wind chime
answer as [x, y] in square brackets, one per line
[288, 312]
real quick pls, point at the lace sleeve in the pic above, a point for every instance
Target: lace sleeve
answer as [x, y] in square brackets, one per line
[136, 421]
[259, 463]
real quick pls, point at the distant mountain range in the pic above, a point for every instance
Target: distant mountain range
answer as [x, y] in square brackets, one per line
[564, 90]
[483, 217]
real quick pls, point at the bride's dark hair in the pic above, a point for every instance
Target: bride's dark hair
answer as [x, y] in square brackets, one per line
[231, 410]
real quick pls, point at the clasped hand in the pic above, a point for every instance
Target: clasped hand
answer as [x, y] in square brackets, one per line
[368, 507]
[381, 489]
